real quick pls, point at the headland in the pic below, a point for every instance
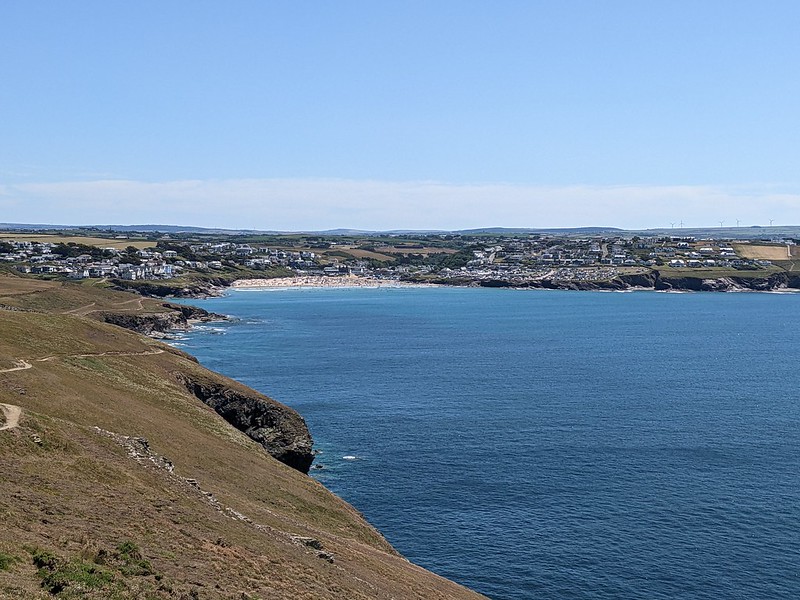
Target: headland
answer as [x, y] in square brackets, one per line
[131, 471]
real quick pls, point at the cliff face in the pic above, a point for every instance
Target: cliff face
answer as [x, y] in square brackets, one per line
[654, 280]
[775, 281]
[147, 323]
[279, 429]
[210, 286]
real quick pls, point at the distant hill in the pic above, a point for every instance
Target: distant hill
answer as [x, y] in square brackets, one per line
[791, 231]
[552, 230]
[129, 228]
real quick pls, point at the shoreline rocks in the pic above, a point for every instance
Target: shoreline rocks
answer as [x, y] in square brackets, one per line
[280, 430]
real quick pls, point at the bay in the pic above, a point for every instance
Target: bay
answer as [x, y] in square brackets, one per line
[546, 444]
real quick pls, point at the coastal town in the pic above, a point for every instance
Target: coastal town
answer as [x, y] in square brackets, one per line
[507, 260]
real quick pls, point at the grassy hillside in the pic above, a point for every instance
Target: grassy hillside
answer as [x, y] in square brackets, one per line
[82, 299]
[119, 483]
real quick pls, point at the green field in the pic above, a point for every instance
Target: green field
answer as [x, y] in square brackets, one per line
[67, 239]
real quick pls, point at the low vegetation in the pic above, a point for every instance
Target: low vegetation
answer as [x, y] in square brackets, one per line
[6, 561]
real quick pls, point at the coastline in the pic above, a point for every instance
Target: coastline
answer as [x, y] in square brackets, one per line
[657, 284]
[652, 281]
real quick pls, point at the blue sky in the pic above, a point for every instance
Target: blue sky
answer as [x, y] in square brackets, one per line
[297, 115]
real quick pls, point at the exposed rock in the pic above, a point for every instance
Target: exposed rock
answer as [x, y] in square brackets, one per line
[146, 323]
[212, 286]
[776, 281]
[279, 429]
[308, 542]
[138, 448]
[194, 313]
[157, 324]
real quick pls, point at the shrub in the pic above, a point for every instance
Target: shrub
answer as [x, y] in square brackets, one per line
[57, 573]
[6, 560]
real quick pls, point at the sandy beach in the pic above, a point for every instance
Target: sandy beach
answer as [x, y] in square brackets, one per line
[349, 281]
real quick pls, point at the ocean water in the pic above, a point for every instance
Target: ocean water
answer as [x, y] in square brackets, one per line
[546, 444]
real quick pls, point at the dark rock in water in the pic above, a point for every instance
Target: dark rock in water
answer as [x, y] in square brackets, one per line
[194, 313]
[160, 324]
[147, 323]
[279, 429]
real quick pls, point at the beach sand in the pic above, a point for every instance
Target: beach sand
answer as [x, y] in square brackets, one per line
[321, 281]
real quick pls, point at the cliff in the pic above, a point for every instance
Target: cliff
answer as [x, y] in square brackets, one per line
[199, 288]
[279, 429]
[175, 317]
[743, 282]
[661, 280]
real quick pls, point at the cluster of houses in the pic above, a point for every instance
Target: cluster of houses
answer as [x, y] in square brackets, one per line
[502, 257]
[594, 259]
[258, 257]
[612, 252]
[39, 258]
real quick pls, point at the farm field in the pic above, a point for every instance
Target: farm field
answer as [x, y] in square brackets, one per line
[772, 252]
[66, 239]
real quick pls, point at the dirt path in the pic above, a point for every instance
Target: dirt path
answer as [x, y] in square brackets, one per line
[75, 311]
[21, 366]
[24, 364]
[87, 310]
[12, 414]
[110, 353]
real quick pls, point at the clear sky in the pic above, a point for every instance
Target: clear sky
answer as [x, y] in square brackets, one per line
[400, 114]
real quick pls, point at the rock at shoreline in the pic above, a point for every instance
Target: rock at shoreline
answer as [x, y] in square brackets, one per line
[280, 430]
[153, 324]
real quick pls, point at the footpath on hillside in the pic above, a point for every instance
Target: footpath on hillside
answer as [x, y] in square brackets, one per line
[12, 414]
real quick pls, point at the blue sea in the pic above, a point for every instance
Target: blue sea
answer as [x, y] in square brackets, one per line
[546, 444]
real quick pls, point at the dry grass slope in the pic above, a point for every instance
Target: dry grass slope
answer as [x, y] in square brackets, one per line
[66, 239]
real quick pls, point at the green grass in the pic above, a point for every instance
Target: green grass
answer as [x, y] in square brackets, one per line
[715, 273]
[57, 573]
[6, 561]
[102, 570]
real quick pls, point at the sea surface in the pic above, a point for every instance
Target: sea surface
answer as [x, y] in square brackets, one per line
[546, 444]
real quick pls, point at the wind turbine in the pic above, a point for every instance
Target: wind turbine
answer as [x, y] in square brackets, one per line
[673, 225]
[681, 224]
[720, 223]
[737, 222]
[770, 222]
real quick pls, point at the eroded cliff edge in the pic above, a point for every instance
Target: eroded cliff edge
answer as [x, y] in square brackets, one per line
[280, 430]
[171, 317]
[652, 280]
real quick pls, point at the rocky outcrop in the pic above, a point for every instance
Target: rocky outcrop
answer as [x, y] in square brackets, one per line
[652, 280]
[623, 282]
[153, 324]
[212, 286]
[145, 323]
[194, 313]
[280, 430]
[776, 281]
